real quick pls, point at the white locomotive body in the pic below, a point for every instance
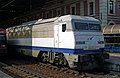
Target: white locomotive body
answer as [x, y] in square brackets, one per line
[67, 40]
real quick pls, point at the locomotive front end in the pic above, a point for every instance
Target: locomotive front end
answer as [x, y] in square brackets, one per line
[89, 44]
[3, 47]
[88, 50]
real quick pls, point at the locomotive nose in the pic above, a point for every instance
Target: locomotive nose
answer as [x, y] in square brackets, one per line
[89, 42]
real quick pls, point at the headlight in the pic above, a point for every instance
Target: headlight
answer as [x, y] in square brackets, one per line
[101, 42]
[80, 42]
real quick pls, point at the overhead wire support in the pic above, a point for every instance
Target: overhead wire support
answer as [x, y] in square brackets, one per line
[7, 4]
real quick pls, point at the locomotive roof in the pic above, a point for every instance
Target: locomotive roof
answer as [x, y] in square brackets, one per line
[75, 17]
[111, 29]
[61, 18]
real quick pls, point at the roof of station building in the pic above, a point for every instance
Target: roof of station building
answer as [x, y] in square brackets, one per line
[111, 29]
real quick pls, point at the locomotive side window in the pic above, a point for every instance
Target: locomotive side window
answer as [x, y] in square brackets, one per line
[63, 27]
[87, 26]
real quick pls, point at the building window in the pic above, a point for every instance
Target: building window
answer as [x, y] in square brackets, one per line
[52, 13]
[47, 14]
[111, 6]
[65, 10]
[119, 5]
[58, 11]
[42, 15]
[91, 7]
[73, 9]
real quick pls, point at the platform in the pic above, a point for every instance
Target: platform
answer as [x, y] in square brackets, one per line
[113, 62]
[4, 75]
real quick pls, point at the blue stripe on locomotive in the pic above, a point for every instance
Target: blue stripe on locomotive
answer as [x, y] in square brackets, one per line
[62, 50]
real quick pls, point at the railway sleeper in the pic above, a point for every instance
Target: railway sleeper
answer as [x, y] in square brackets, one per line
[22, 72]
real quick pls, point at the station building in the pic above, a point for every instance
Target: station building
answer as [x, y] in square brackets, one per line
[107, 11]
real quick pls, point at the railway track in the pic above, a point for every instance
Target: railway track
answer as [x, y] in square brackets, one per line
[30, 68]
[21, 72]
[53, 71]
[34, 70]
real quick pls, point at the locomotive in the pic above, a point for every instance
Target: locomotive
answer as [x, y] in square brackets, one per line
[3, 47]
[69, 40]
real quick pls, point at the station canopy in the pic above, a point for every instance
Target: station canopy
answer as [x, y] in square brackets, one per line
[111, 29]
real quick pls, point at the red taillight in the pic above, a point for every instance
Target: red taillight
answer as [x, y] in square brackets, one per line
[2, 46]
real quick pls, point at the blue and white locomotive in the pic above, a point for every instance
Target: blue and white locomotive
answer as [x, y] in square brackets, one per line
[68, 40]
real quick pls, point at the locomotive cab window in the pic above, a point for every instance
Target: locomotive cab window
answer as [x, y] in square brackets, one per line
[87, 26]
[81, 26]
[94, 27]
[63, 27]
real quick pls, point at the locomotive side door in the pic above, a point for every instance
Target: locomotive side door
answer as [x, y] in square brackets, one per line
[59, 31]
[56, 36]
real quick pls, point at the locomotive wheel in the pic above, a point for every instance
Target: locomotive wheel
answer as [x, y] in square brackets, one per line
[56, 61]
[60, 61]
[65, 63]
[44, 57]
